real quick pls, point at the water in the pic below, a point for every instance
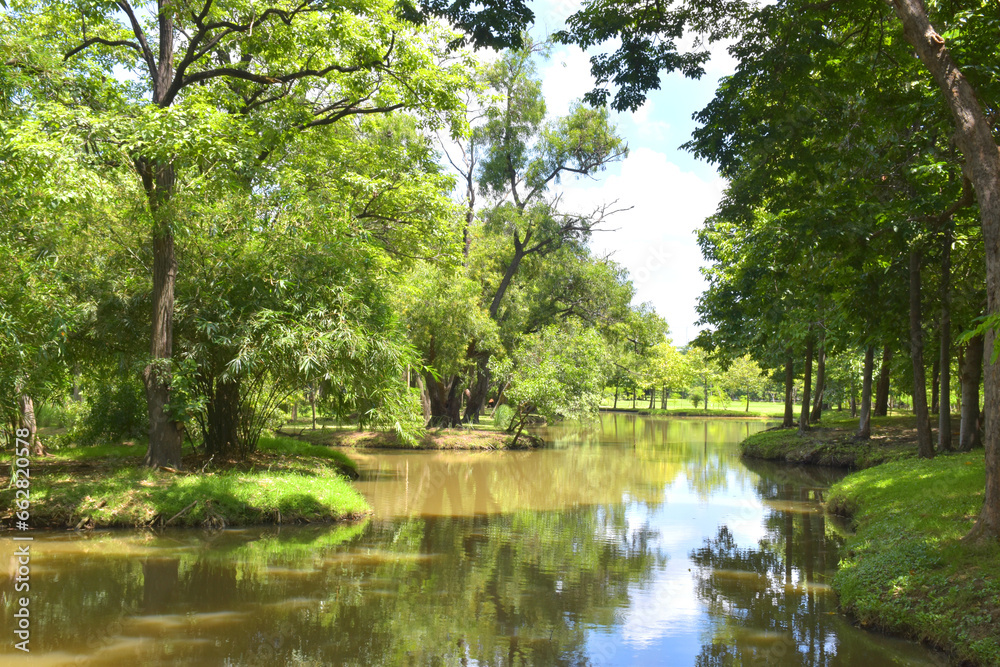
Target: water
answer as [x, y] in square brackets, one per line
[635, 541]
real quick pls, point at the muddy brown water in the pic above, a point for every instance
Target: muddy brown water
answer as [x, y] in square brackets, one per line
[630, 541]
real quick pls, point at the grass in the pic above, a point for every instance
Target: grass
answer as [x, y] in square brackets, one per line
[683, 407]
[831, 442]
[906, 570]
[285, 481]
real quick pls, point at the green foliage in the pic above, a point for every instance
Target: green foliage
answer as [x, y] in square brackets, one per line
[558, 374]
[503, 416]
[115, 411]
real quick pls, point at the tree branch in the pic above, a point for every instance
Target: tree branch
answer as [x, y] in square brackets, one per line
[146, 52]
[98, 40]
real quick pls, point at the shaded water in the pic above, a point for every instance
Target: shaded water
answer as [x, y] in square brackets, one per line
[634, 541]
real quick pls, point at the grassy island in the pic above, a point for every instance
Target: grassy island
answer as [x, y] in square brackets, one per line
[479, 437]
[832, 442]
[284, 481]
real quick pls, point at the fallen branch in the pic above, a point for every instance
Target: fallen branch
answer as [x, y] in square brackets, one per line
[167, 522]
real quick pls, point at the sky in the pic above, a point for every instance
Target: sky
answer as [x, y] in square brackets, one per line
[669, 191]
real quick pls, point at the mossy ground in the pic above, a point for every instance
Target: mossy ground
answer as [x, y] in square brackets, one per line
[907, 570]
[285, 481]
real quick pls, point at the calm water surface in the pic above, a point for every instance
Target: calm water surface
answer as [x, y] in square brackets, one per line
[633, 541]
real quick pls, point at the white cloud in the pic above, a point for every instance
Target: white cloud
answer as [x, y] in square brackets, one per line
[655, 239]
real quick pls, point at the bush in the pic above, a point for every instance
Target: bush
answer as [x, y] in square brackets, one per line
[502, 416]
[116, 412]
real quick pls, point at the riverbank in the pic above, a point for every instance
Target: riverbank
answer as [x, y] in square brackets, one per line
[475, 438]
[693, 412]
[906, 570]
[285, 481]
[832, 443]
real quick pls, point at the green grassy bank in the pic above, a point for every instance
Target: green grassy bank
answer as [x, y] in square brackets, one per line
[831, 442]
[285, 481]
[906, 570]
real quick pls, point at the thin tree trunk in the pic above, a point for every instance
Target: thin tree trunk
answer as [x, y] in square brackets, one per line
[971, 373]
[974, 134]
[28, 422]
[944, 361]
[817, 410]
[807, 385]
[312, 405]
[652, 399]
[615, 406]
[789, 420]
[865, 424]
[935, 384]
[925, 446]
[882, 390]
[425, 401]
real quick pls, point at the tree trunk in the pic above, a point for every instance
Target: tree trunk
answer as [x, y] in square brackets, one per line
[27, 408]
[615, 406]
[817, 410]
[425, 401]
[445, 400]
[807, 385]
[295, 409]
[935, 384]
[971, 372]
[882, 390]
[165, 435]
[789, 420]
[865, 424]
[925, 446]
[975, 138]
[944, 360]
[312, 405]
[480, 387]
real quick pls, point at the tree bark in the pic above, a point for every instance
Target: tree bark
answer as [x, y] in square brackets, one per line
[817, 410]
[925, 446]
[882, 389]
[865, 424]
[807, 385]
[789, 420]
[975, 138]
[971, 373]
[944, 359]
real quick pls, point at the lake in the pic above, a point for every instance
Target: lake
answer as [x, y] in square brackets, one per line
[627, 541]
